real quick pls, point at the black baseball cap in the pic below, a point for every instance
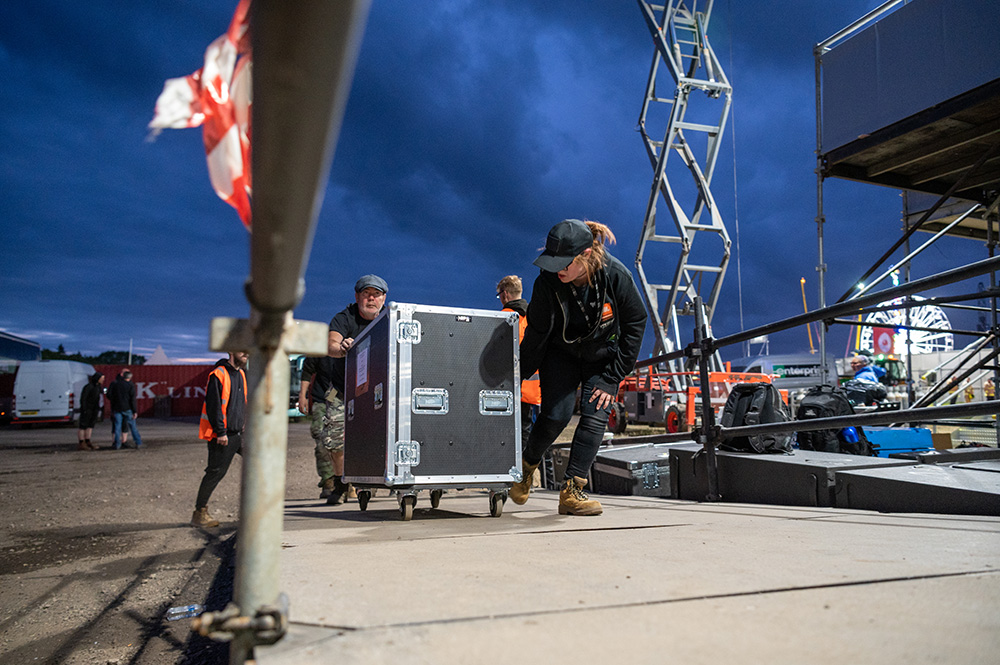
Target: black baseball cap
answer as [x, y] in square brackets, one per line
[567, 240]
[373, 281]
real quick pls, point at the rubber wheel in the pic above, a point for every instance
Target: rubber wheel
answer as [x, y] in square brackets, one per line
[617, 418]
[436, 498]
[406, 507]
[675, 420]
[496, 504]
[364, 496]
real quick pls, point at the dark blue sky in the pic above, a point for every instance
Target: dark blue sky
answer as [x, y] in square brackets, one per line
[471, 128]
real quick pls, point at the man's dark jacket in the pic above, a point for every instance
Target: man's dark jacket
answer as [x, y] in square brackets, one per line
[121, 396]
[519, 305]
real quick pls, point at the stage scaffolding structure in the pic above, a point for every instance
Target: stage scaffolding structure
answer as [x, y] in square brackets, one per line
[692, 108]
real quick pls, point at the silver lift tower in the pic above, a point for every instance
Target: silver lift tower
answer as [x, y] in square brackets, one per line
[693, 108]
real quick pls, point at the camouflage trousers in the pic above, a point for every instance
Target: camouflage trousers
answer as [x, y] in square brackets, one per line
[327, 431]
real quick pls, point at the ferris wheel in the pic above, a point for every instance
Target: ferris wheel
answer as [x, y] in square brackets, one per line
[924, 316]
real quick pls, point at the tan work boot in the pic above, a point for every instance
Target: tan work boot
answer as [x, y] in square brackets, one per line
[519, 492]
[573, 500]
[201, 518]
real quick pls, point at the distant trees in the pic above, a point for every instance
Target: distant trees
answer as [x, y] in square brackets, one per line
[104, 358]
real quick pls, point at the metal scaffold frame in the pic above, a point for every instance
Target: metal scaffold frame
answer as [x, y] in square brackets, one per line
[680, 36]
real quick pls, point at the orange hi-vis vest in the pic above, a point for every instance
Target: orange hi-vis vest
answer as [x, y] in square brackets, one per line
[205, 430]
[531, 389]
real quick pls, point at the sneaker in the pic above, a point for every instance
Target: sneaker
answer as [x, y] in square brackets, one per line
[201, 518]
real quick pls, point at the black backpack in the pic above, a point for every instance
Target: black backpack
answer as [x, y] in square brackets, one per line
[826, 402]
[864, 392]
[756, 404]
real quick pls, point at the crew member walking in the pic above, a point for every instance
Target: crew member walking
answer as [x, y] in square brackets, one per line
[586, 320]
[223, 419]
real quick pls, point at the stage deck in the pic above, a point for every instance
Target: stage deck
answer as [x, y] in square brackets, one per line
[650, 580]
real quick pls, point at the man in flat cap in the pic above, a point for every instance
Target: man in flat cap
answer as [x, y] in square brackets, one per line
[322, 393]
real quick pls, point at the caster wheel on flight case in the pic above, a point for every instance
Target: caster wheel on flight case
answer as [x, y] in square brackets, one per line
[496, 503]
[406, 506]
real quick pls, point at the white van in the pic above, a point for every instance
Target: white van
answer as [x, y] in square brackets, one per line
[49, 390]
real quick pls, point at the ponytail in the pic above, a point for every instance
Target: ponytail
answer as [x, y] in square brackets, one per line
[598, 256]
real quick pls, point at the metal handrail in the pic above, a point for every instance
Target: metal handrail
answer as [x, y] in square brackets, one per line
[926, 414]
[843, 308]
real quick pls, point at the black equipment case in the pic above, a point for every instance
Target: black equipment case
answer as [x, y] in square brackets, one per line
[925, 488]
[639, 470]
[434, 402]
[800, 478]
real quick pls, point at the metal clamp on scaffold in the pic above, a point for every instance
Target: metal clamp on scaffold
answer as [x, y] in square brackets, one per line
[268, 626]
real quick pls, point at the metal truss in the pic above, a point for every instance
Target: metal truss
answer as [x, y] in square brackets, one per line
[679, 32]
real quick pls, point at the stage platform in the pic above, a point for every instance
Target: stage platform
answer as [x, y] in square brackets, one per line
[649, 581]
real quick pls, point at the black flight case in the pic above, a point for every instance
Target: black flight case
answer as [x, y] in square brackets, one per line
[434, 403]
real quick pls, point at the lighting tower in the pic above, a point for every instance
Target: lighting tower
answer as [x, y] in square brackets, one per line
[693, 108]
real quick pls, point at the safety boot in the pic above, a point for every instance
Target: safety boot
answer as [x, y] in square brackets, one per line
[573, 500]
[201, 518]
[338, 493]
[327, 486]
[519, 492]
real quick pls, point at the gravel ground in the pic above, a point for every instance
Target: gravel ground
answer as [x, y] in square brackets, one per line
[96, 546]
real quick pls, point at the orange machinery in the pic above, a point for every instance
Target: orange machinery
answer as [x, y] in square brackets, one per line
[650, 397]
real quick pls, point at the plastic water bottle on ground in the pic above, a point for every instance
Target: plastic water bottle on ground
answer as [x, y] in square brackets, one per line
[184, 612]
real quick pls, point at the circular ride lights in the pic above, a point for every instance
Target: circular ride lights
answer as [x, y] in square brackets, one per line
[923, 316]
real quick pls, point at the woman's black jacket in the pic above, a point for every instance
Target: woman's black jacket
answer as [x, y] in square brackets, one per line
[614, 339]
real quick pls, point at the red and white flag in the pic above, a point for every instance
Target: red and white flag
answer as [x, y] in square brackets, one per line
[218, 96]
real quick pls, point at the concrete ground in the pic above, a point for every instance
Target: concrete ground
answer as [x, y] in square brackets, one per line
[649, 581]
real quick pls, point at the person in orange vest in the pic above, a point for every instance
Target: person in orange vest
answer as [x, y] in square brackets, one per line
[223, 419]
[509, 290]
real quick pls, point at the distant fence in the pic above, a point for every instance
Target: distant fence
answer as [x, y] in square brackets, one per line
[164, 391]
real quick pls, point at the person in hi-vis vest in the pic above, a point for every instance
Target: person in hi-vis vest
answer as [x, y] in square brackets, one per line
[509, 290]
[223, 419]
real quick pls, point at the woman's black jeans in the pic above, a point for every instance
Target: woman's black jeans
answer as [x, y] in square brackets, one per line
[560, 374]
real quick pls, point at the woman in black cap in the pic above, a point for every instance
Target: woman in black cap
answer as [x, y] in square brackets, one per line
[90, 409]
[586, 319]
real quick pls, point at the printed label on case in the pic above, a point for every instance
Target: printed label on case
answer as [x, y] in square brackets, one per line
[363, 352]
